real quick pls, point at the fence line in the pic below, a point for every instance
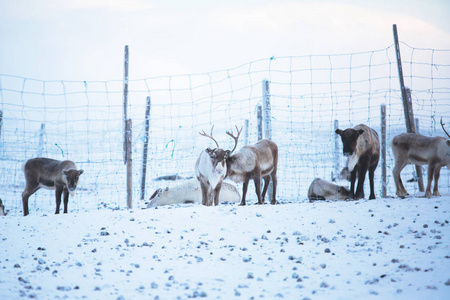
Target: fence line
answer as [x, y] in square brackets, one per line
[84, 120]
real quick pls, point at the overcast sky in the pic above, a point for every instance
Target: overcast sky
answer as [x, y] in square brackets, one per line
[85, 39]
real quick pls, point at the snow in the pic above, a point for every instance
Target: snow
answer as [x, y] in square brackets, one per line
[384, 248]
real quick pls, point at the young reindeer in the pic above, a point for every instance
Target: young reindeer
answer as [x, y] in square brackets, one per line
[61, 176]
[254, 162]
[411, 148]
[210, 170]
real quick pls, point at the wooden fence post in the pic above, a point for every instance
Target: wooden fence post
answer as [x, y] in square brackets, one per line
[129, 163]
[1, 123]
[41, 140]
[336, 152]
[246, 129]
[267, 111]
[259, 121]
[145, 154]
[125, 103]
[267, 117]
[406, 97]
[383, 151]
[419, 168]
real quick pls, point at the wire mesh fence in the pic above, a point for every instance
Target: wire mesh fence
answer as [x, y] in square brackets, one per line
[83, 121]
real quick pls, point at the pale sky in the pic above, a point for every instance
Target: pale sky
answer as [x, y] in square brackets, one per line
[85, 39]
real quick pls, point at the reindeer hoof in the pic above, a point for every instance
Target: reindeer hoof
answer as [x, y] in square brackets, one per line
[273, 202]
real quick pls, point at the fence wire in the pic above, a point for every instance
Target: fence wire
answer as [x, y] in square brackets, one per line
[83, 121]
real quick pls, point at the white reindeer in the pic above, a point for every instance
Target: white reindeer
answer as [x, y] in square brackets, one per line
[189, 191]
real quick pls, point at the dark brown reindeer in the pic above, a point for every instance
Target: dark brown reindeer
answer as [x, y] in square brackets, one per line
[210, 170]
[362, 147]
[411, 148]
[254, 162]
[61, 176]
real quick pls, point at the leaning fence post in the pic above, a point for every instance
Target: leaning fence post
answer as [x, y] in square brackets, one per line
[336, 152]
[145, 154]
[41, 140]
[406, 97]
[129, 162]
[383, 151]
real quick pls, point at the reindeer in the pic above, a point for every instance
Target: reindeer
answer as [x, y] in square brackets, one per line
[61, 176]
[190, 192]
[2, 209]
[254, 162]
[323, 190]
[362, 147]
[412, 148]
[210, 170]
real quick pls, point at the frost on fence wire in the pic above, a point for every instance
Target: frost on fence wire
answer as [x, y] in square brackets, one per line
[82, 121]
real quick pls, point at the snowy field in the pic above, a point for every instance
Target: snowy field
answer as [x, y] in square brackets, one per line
[378, 249]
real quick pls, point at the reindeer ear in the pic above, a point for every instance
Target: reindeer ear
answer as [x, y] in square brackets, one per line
[227, 153]
[448, 143]
[80, 171]
[64, 172]
[338, 131]
[208, 150]
[361, 131]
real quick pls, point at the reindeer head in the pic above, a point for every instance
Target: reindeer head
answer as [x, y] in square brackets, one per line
[217, 155]
[349, 139]
[71, 177]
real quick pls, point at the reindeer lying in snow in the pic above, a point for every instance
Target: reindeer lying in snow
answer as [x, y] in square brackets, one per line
[411, 148]
[362, 147]
[61, 176]
[323, 190]
[190, 192]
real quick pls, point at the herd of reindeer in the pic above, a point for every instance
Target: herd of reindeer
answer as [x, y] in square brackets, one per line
[361, 146]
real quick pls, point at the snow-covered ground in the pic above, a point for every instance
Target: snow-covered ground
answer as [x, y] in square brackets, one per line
[384, 249]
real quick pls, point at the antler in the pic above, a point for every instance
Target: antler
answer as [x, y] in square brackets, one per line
[236, 138]
[210, 136]
[442, 124]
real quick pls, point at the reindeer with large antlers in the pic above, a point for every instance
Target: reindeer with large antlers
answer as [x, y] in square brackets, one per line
[411, 148]
[254, 162]
[210, 170]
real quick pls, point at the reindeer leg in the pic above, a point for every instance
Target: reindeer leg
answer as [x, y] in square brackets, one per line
[30, 189]
[275, 182]
[371, 180]
[361, 178]
[257, 181]
[204, 189]
[266, 186]
[437, 174]
[352, 184]
[58, 193]
[216, 193]
[244, 191]
[400, 188]
[431, 169]
[66, 199]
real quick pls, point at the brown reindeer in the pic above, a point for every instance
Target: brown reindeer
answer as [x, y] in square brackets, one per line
[210, 170]
[254, 162]
[61, 176]
[362, 147]
[411, 148]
